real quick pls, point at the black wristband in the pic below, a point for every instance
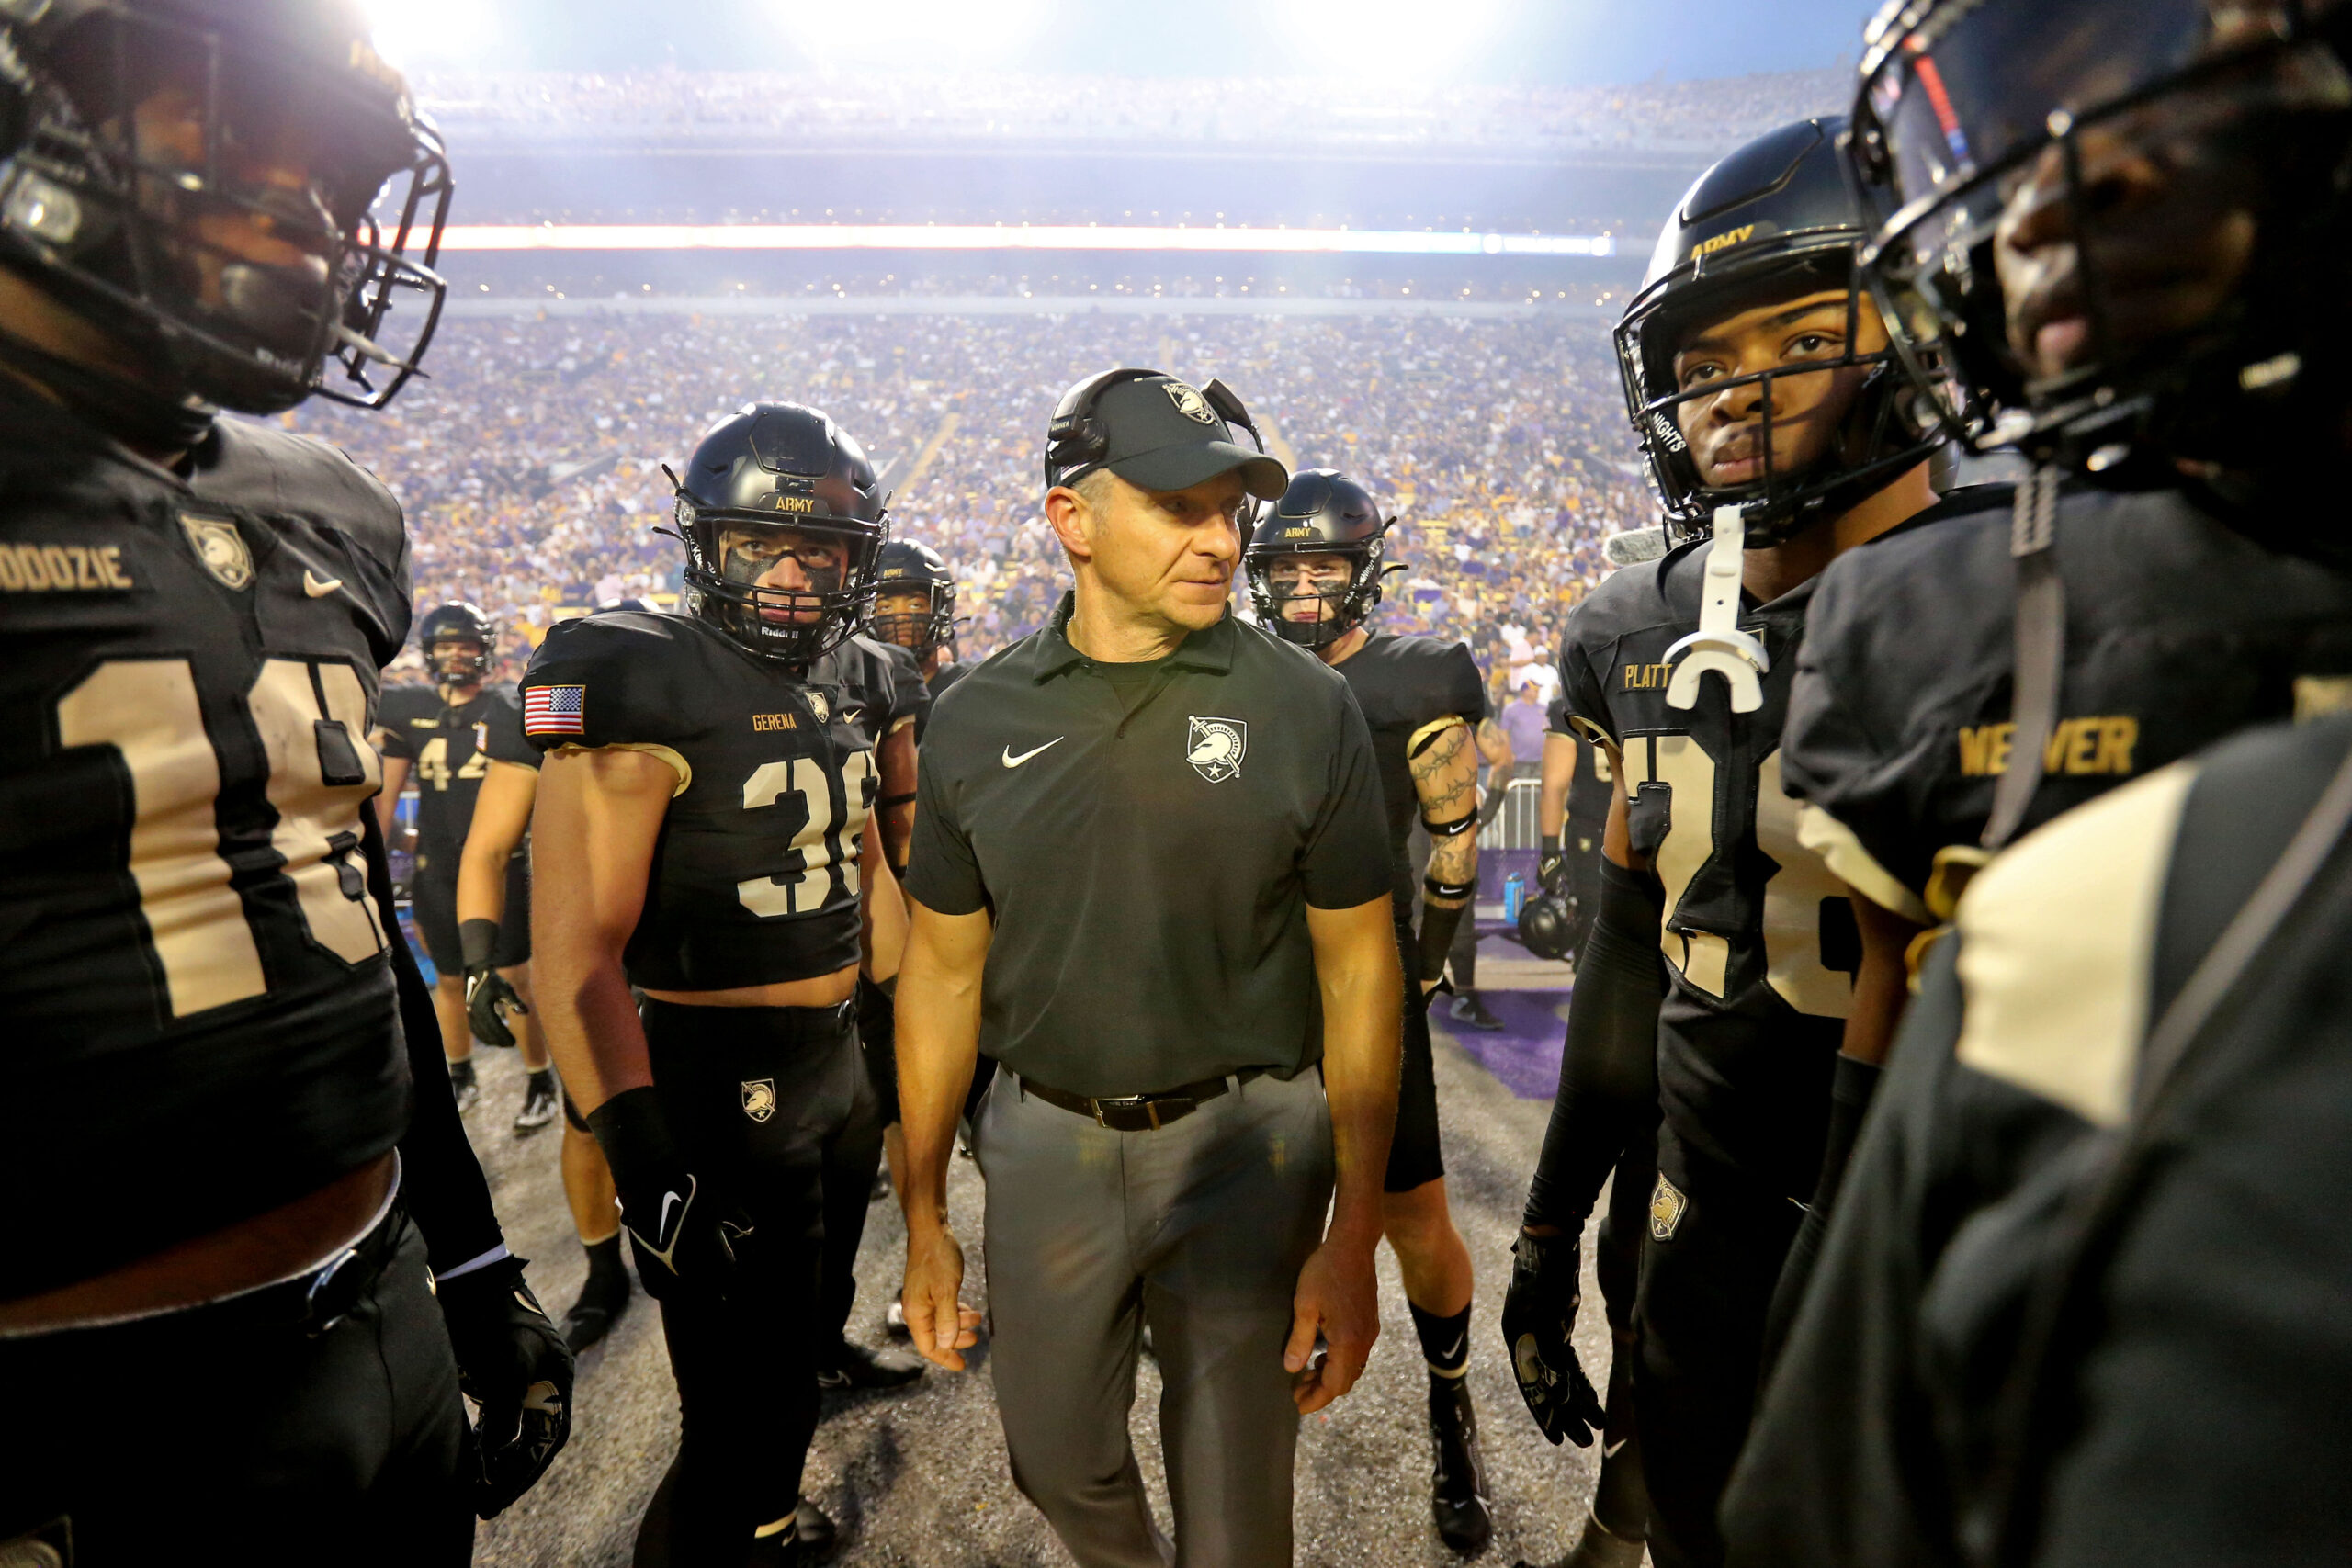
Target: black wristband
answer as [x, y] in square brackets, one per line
[478, 940]
[1450, 830]
[635, 1136]
[1548, 845]
[1437, 889]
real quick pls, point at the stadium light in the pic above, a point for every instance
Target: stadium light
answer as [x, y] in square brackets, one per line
[412, 33]
[881, 31]
[993, 237]
[1394, 39]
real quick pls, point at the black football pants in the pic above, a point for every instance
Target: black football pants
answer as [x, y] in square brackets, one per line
[1716, 1242]
[225, 1430]
[764, 1103]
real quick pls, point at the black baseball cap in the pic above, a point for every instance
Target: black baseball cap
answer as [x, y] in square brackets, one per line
[1162, 433]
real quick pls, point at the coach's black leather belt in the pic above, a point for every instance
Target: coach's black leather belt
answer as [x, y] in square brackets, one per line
[1141, 1112]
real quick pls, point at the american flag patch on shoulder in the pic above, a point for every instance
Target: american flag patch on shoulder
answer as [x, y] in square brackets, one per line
[553, 710]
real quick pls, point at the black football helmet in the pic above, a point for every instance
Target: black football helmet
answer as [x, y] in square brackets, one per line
[905, 566]
[454, 623]
[773, 470]
[1322, 513]
[2157, 147]
[1775, 219]
[130, 130]
[1548, 926]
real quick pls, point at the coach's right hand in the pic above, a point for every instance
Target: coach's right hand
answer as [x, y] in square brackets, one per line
[937, 1320]
[1539, 1318]
[684, 1243]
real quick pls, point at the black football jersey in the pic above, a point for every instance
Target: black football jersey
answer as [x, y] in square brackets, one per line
[2191, 1388]
[447, 746]
[755, 879]
[2179, 629]
[1406, 686]
[1758, 938]
[200, 1014]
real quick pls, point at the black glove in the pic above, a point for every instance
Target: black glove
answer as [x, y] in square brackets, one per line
[683, 1242]
[1539, 1319]
[1549, 866]
[488, 997]
[513, 1363]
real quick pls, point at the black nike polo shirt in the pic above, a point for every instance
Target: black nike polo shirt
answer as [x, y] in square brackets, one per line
[1147, 839]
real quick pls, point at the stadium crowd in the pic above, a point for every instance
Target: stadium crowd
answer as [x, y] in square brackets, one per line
[530, 461]
[896, 109]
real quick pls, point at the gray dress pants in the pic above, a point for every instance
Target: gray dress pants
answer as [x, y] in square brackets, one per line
[1199, 1229]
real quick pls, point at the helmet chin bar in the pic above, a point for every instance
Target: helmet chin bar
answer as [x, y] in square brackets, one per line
[1719, 646]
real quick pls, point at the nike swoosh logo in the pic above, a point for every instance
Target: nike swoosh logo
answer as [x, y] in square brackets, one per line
[1012, 761]
[662, 1225]
[1609, 1451]
[1459, 1341]
[316, 588]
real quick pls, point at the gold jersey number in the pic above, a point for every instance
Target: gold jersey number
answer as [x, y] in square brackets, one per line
[433, 764]
[1794, 895]
[198, 925]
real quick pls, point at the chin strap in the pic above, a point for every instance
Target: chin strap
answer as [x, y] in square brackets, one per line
[135, 415]
[1719, 644]
[2040, 651]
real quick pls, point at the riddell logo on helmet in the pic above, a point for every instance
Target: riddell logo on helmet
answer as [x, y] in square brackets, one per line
[1721, 241]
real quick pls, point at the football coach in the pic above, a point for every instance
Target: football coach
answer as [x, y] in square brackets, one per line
[1149, 880]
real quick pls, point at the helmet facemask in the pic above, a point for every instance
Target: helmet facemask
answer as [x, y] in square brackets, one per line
[209, 196]
[1815, 434]
[2128, 254]
[728, 552]
[921, 631]
[1344, 605]
[457, 661]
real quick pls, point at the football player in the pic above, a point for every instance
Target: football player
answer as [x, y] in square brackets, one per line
[2135, 619]
[2055, 1320]
[1777, 427]
[1314, 564]
[495, 838]
[915, 609]
[706, 782]
[441, 733]
[226, 1172]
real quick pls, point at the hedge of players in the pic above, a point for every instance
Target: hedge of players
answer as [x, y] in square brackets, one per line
[2071, 1291]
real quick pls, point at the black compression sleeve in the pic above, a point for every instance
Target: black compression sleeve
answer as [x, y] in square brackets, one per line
[1851, 1092]
[1439, 923]
[1609, 1068]
[441, 1182]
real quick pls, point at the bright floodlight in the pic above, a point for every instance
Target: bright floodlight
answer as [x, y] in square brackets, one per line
[414, 34]
[1389, 38]
[930, 31]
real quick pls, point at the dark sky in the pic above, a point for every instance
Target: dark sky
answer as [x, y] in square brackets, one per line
[1570, 41]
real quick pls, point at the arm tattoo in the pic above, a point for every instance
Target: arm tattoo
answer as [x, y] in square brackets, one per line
[1438, 794]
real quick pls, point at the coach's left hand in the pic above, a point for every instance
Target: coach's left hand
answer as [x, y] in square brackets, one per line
[1337, 1297]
